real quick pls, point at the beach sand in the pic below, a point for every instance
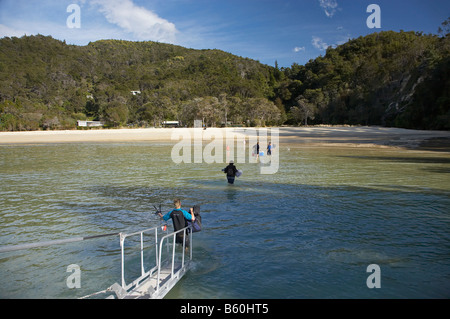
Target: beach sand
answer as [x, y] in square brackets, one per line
[330, 136]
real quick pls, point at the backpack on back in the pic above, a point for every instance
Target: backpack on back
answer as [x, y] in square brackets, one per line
[197, 224]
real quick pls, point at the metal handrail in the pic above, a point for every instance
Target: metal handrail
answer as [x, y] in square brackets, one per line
[144, 274]
[173, 235]
[122, 237]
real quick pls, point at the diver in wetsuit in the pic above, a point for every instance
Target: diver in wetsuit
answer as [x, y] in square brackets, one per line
[230, 170]
[179, 219]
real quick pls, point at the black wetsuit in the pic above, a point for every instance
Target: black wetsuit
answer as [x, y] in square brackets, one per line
[179, 219]
[230, 170]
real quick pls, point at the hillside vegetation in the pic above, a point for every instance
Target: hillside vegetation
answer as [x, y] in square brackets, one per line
[388, 78]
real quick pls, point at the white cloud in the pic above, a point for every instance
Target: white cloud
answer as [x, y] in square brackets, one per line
[298, 49]
[141, 22]
[6, 31]
[321, 45]
[329, 6]
[318, 43]
[343, 39]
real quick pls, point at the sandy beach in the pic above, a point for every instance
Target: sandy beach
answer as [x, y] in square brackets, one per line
[357, 136]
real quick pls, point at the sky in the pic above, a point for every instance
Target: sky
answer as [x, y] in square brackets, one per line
[286, 31]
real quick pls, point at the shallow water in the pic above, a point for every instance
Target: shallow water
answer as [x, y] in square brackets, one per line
[308, 231]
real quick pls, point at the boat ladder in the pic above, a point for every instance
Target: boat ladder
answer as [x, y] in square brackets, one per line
[156, 282]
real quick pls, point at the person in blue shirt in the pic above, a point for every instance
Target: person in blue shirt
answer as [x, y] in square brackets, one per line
[269, 149]
[179, 219]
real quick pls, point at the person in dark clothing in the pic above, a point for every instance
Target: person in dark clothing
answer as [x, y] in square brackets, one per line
[256, 149]
[230, 170]
[179, 219]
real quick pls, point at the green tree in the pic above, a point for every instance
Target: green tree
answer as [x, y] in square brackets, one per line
[444, 29]
[116, 114]
[261, 112]
[306, 110]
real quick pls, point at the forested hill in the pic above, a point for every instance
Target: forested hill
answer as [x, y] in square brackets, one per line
[49, 84]
[388, 78]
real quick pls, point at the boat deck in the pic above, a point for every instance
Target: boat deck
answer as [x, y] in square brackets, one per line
[148, 288]
[157, 282]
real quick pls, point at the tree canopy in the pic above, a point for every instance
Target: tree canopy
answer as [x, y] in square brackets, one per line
[387, 78]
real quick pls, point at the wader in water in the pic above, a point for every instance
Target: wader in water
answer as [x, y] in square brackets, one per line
[231, 172]
[179, 222]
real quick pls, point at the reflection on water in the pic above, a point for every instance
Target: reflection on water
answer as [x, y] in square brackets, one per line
[308, 231]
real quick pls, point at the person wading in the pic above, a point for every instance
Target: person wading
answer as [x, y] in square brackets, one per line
[180, 218]
[230, 170]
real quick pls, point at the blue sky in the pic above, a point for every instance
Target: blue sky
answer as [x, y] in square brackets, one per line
[265, 30]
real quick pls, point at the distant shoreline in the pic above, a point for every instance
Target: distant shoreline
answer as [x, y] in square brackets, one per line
[350, 136]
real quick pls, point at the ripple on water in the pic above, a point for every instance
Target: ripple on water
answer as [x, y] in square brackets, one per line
[308, 231]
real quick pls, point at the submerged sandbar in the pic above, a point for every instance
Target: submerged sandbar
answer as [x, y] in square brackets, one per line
[354, 136]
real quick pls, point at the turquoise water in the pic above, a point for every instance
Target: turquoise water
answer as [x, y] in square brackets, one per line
[308, 231]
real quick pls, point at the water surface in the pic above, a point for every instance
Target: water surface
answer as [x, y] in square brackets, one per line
[308, 231]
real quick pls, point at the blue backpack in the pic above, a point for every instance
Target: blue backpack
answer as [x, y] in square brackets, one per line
[197, 224]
